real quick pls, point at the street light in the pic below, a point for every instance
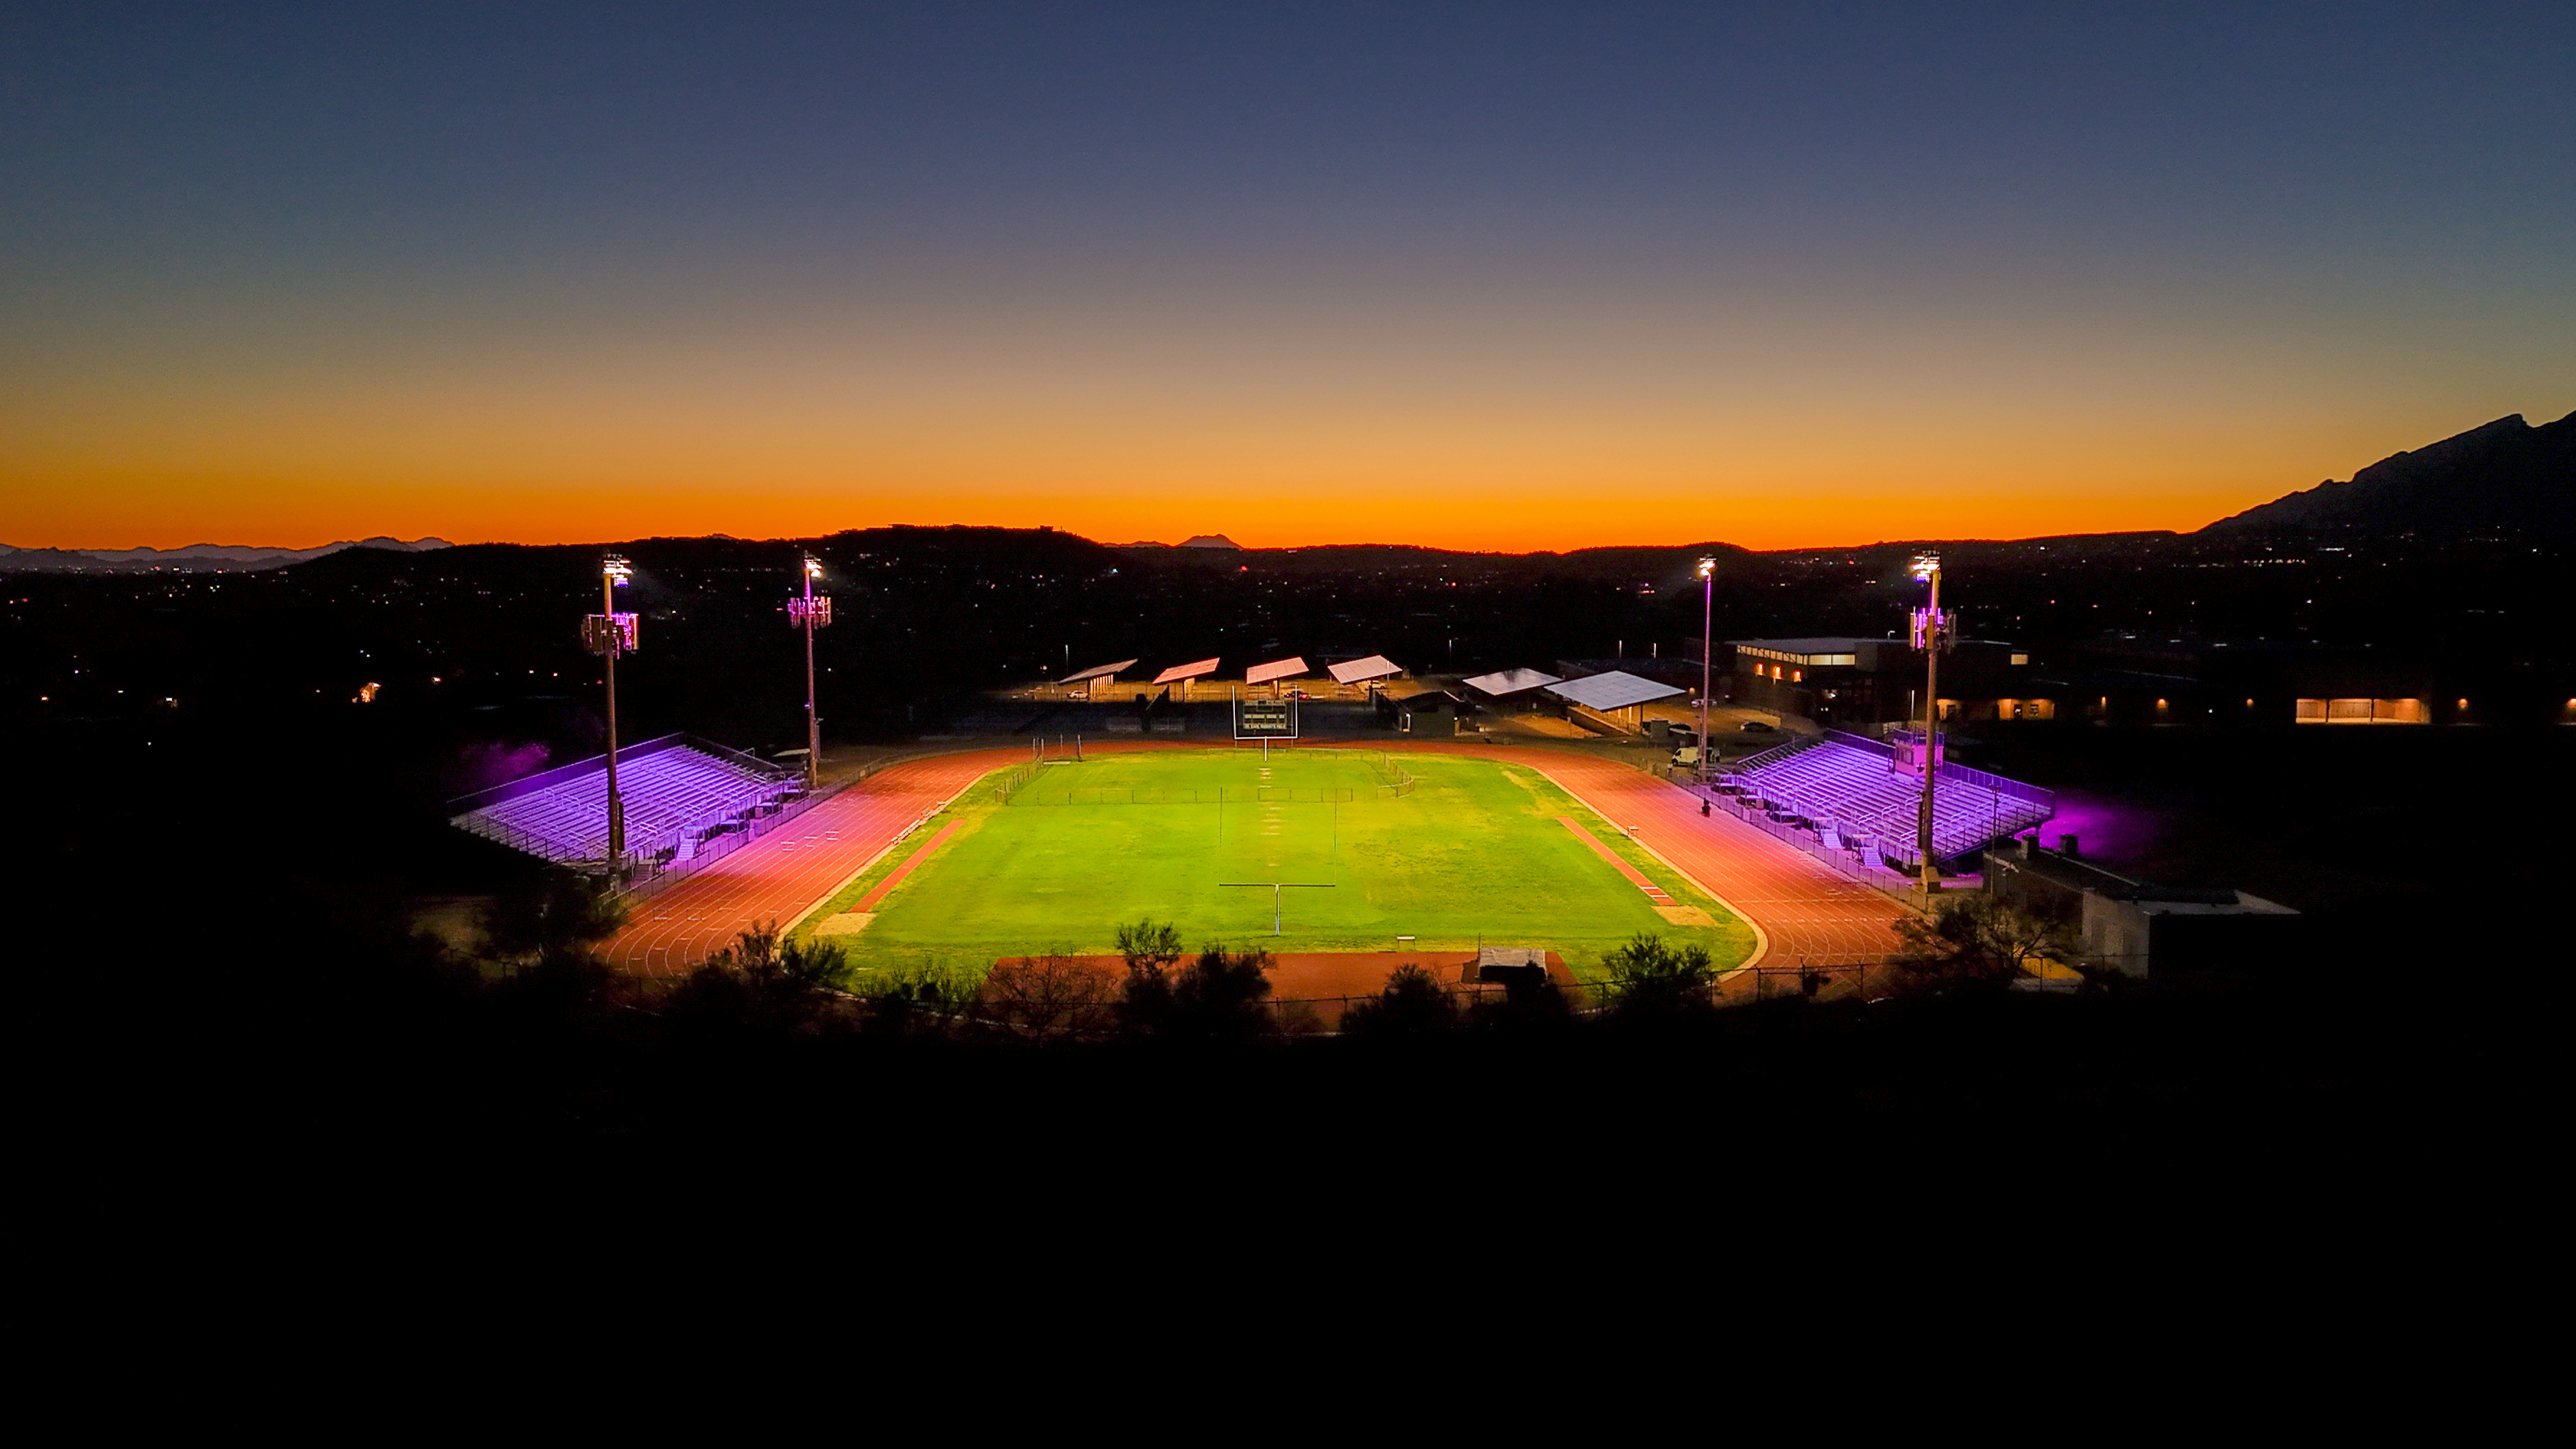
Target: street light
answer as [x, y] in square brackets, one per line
[608, 634]
[811, 611]
[1707, 610]
[1931, 635]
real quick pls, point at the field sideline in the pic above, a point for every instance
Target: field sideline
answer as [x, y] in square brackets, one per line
[1805, 911]
[1475, 851]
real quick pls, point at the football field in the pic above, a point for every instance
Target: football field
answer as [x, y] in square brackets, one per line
[1309, 850]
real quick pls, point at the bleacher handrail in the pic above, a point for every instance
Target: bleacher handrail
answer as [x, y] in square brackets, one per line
[1999, 784]
[1762, 759]
[1862, 742]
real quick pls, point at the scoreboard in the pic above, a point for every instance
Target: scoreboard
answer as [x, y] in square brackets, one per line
[1257, 719]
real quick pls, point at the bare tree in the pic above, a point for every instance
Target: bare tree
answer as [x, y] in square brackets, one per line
[1975, 939]
[1053, 994]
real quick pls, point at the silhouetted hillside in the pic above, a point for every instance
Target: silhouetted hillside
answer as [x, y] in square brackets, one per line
[2505, 476]
[196, 557]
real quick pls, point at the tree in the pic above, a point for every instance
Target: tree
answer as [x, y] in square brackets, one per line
[1529, 1003]
[1217, 997]
[1411, 1004]
[917, 1002]
[1150, 945]
[1976, 940]
[1052, 994]
[552, 912]
[763, 981]
[1653, 980]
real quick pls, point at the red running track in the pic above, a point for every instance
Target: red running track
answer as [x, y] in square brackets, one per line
[777, 876]
[1805, 911]
[1808, 912]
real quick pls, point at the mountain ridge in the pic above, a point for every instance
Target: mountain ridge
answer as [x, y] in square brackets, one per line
[2503, 475]
[198, 556]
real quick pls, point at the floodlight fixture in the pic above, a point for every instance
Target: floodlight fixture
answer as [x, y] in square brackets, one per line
[615, 569]
[1707, 568]
[1927, 567]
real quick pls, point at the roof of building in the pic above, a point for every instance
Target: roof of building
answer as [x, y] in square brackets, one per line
[1376, 666]
[1098, 671]
[1511, 681]
[1805, 647]
[1179, 672]
[1617, 689]
[1277, 669]
[2153, 899]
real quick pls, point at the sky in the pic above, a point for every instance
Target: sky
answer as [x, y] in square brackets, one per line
[1485, 276]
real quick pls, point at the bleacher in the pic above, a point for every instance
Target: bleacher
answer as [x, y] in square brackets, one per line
[679, 793]
[1852, 791]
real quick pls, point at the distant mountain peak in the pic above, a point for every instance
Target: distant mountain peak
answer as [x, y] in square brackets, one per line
[1209, 540]
[2503, 475]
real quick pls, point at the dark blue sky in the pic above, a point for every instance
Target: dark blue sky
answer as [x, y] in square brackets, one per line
[309, 253]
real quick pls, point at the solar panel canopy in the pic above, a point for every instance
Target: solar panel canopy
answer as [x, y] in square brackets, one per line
[1511, 681]
[1617, 689]
[1281, 669]
[1099, 671]
[1179, 672]
[1376, 666]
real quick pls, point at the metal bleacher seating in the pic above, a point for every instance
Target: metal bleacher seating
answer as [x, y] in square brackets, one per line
[1854, 788]
[678, 793]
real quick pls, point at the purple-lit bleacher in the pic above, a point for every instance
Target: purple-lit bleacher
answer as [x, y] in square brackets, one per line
[1855, 788]
[678, 794]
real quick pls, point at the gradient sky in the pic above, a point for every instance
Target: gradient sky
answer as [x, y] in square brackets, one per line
[1481, 276]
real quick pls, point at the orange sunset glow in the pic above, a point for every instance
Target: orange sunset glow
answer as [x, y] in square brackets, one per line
[1293, 282]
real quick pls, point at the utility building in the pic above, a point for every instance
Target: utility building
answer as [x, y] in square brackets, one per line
[2135, 925]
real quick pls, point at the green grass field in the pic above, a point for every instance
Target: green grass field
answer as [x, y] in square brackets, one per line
[1472, 855]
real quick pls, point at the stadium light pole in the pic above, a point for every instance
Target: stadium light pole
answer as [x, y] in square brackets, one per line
[1707, 611]
[1927, 569]
[811, 611]
[613, 575]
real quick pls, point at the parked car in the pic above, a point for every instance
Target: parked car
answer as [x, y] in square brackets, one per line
[1757, 727]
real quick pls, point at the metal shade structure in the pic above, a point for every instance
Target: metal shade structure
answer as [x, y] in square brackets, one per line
[1279, 669]
[1376, 666]
[1511, 681]
[1181, 673]
[1099, 671]
[1616, 689]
